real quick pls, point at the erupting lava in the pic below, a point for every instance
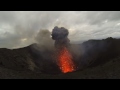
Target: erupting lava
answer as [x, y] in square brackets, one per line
[64, 57]
[65, 61]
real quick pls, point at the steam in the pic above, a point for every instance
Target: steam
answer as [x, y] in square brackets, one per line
[44, 40]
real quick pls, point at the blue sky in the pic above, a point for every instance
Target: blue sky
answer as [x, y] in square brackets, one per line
[19, 28]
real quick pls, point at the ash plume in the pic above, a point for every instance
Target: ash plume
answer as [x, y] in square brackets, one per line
[44, 40]
[59, 33]
[64, 57]
[60, 36]
[42, 52]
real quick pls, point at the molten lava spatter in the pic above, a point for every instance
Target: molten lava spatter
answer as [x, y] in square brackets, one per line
[65, 61]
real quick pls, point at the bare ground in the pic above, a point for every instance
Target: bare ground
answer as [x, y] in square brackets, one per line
[110, 70]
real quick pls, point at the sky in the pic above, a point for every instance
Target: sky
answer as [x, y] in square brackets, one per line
[19, 28]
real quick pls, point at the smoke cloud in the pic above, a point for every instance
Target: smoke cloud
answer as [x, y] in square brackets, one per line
[59, 33]
[44, 40]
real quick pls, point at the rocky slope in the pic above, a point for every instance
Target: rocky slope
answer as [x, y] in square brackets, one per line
[109, 70]
[94, 58]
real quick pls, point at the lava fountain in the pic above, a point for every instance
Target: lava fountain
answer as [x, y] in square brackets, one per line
[65, 61]
[64, 57]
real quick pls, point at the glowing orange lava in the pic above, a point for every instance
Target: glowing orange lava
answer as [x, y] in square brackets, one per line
[65, 61]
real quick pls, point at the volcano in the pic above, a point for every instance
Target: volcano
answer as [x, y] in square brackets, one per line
[93, 58]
